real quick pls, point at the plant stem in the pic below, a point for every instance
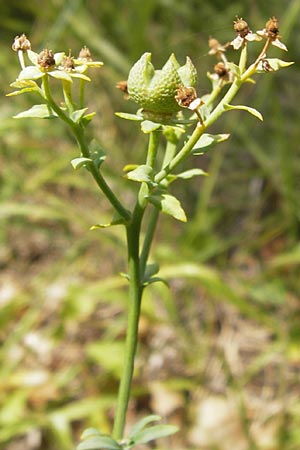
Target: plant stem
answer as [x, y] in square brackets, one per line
[148, 239]
[133, 231]
[123, 212]
[78, 131]
[68, 96]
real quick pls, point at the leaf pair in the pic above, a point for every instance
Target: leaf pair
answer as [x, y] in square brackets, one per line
[140, 434]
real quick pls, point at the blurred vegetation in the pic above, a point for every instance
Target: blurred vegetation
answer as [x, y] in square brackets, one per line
[220, 349]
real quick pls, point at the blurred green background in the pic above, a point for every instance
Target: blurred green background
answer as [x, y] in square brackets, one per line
[220, 349]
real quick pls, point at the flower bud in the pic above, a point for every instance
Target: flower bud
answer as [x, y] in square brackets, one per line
[155, 90]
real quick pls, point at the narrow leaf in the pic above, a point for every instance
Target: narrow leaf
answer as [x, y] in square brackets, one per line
[37, 111]
[128, 116]
[89, 432]
[141, 424]
[97, 153]
[107, 225]
[155, 280]
[155, 432]
[187, 174]
[22, 91]
[99, 442]
[170, 205]
[31, 73]
[147, 126]
[207, 141]
[141, 174]
[234, 69]
[87, 118]
[272, 64]
[252, 111]
[78, 114]
[60, 75]
[81, 76]
[33, 56]
[20, 84]
[77, 163]
[151, 269]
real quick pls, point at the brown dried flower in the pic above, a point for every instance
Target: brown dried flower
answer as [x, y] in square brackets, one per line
[216, 48]
[185, 96]
[85, 54]
[68, 63]
[46, 59]
[21, 43]
[241, 27]
[122, 85]
[271, 31]
[243, 33]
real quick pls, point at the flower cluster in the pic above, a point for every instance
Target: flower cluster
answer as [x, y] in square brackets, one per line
[57, 65]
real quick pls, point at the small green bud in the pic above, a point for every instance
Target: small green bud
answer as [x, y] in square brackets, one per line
[155, 90]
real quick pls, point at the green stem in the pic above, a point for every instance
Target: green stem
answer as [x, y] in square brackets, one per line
[81, 92]
[148, 239]
[123, 212]
[68, 96]
[135, 294]
[79, 134]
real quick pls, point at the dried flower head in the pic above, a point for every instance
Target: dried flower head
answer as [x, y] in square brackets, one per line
[185, 96]
[46, 59]
[216, 48]
[68, 63]
[122, 85]
[21, 43]
[221, 70]
[241, 27]
[272, 28]
[221, 73]
[271, 32]
[243, 33]
[85, 54]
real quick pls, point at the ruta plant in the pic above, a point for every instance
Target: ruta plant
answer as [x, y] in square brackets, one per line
[172, 115]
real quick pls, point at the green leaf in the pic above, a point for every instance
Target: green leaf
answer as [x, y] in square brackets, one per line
[116, 221]
[33, 56]
[252, 111]
[77, 115]
[187, 174]
[155, 280]
[170, 205]
[147, 126]
[142, 174]
[155, 432]
[130, 167]
[77, 163]
[97, 153]
[87, 118]
[60, 75]
[31, 73]
[98, 443]
[151, 269]
[22, 91]
[128, 116]
[207, 141]
[81, 76]
[37, 111]
[234, 69]
[141, 424]
[89, 432]
[272, 64]
[23, 86]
